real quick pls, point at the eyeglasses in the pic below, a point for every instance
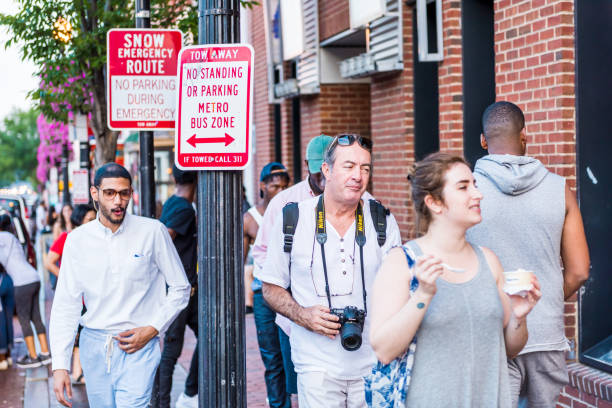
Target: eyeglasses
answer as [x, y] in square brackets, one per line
[349, 139]
[110, 194]
[319, 282]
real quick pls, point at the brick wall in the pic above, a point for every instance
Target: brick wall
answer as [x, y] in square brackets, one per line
[310, 111]
[392, 127]
[534, 52]
[345, 108]
[333, 17]
[338, 108]
[263, 113]
[450, 80]
[287, 136]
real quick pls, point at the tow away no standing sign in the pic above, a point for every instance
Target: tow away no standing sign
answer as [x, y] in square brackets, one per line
[142, 78]
[214, 106]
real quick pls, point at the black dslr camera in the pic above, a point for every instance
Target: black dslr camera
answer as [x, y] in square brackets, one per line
[351, 321]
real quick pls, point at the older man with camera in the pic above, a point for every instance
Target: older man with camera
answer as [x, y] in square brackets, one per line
[327, 251]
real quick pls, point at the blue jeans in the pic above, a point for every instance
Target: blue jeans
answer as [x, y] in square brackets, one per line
[116, 379]
[7, 297]
[290, 375]
[271, 354]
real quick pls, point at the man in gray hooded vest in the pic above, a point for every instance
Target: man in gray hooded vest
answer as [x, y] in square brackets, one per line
[531, 220]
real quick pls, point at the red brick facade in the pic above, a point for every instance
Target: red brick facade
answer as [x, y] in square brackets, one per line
[392, 132]
[534, 45]
[450, 81]
[263, 113]
[534, 55]
[333, 17]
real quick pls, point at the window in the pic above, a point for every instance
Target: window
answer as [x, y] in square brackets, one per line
[430, 40]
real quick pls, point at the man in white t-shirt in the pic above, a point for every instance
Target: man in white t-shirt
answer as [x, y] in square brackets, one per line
[330, 269]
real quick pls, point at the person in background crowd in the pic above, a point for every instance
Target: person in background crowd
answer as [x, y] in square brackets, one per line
[531, 220]
[27, 286]
[41, 216]
[51, 218]
[82, 214]
[272, 180]
[63, 222]
[464, 322]
[280, 374]
[7, 308]
[134, 285]
[330, 274]
[179, 217]
[245, 202]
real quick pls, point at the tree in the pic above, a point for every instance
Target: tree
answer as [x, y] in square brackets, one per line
[67, 40]
[18, 143]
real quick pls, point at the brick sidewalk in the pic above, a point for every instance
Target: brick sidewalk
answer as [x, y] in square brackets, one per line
[256, 388]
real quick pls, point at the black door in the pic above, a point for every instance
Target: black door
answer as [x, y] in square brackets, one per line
[477, 33]
[594, 136]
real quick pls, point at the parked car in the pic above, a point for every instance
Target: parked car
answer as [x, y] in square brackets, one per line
[23, 236]
[16, 205]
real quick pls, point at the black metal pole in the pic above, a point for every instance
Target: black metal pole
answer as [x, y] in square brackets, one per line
[65, 177]
[145, 137]
[221, 341]
[84, 161]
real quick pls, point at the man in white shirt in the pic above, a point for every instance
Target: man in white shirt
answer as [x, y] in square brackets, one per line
[118, 265]
[330, 366]
[275, 350]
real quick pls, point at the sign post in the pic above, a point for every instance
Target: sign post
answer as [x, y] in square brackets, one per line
[142, 89]
[220, 143]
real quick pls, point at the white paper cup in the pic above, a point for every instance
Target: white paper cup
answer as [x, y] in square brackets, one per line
[518, 282]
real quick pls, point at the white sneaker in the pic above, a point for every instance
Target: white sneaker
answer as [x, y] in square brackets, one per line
[4, 365]
[185, 401]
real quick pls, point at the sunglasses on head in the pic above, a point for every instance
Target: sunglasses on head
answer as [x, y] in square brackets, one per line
[349, 139]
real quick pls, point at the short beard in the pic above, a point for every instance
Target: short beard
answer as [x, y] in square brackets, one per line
[108, 215]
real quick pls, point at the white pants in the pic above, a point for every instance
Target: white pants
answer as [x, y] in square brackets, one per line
[318, 390]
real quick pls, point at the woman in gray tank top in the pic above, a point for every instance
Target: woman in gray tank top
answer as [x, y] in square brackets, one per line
[465, 324]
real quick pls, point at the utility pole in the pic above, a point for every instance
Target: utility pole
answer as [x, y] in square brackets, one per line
[145, 137]
[65, 178]
[83, 138]
[221, 340]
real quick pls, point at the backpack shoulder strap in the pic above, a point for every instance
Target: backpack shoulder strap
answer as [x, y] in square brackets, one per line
[291, 215]
[379, 217]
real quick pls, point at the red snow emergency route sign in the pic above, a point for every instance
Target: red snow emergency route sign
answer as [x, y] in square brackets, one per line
[214, 107]
[142, 78]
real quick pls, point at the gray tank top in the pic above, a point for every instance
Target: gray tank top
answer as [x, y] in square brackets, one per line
[524, 231]
[460, 359]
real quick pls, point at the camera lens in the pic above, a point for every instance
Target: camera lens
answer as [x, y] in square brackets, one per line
[350, 336]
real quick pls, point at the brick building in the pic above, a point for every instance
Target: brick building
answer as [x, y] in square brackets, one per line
[415, 77]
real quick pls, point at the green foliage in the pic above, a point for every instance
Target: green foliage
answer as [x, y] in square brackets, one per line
[18, 143]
